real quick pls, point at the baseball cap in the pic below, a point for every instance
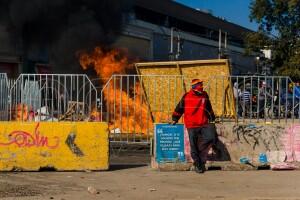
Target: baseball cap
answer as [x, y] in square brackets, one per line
[196, 81]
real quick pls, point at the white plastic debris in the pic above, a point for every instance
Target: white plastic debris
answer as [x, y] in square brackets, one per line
[92, 190]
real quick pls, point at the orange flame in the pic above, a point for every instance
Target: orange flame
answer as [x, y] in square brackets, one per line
[105, 63]
[130, 115]
[21, 112]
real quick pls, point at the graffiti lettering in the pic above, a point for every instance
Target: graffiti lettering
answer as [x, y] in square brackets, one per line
[258, 135]
[35, 139]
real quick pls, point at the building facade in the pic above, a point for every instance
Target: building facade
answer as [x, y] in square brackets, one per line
[147, 32]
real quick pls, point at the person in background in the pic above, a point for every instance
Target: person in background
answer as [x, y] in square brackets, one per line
[262, 94]
[245, 100]
[236, 91]
[297, 90]
[296, 99]
[197, 110]
[237, 96]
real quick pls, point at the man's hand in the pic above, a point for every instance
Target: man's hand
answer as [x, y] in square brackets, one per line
[216, 121]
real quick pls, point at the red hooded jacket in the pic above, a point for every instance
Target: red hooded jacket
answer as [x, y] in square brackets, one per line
[196, 108]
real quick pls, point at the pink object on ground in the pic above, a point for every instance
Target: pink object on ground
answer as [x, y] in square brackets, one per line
[283, 166]
[291, 142]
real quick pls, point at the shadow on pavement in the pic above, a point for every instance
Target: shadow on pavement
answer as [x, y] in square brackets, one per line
[115, 167]
[129, 156]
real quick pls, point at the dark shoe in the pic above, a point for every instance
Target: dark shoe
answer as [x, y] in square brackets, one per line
[200, 168]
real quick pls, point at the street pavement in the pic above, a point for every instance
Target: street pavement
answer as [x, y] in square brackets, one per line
[141, 182]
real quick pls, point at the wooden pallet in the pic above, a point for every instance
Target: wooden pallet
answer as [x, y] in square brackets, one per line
[75, 112]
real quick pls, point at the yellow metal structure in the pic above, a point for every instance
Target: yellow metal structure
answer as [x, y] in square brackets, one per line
[59, 145]
[214, 74]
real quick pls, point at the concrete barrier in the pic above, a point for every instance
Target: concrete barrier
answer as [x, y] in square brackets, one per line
[279, 142]
[260, 144]
[59, 145]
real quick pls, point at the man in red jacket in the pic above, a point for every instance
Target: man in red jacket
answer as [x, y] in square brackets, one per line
[197, 111]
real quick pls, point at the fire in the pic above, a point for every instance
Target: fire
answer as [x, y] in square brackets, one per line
[21, 112]
[95, 115]
[105, 63]
[127, 111]
[133, 115]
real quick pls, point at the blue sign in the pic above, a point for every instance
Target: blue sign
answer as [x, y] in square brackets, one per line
[169, 143]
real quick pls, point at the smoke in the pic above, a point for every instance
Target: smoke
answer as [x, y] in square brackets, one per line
[63, 27]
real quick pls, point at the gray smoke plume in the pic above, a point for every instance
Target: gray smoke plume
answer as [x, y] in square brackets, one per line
[63, 27]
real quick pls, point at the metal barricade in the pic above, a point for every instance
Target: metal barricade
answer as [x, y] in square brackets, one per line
[53, 97]
[131, 104]
[4, 100]
[268, 99]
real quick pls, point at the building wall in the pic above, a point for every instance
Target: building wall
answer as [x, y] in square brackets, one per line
[9, 59]
[157, 47]
[144, 41]
[190, 50]
[6, 46]
[138, 47]
[242, 64]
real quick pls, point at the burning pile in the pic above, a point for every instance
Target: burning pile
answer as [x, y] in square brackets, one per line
[127, 110]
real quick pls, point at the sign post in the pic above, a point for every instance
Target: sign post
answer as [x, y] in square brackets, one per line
[169, 143]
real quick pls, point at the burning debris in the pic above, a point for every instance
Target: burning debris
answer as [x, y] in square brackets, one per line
[135, 114]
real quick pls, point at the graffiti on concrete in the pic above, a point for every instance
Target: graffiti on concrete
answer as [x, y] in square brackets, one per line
[258, 135]
[26, 139]
[70, 141]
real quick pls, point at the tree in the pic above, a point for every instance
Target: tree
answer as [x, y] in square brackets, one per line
[279, 30]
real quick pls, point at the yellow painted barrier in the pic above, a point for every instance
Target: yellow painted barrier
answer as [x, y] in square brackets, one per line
[61, 145]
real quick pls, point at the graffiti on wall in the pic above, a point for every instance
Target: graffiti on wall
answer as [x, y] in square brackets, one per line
[26, 139]
[258, 136]
[61, 145]
[70, 141]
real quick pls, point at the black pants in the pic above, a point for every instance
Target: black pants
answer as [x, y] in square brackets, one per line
[261, 111]
[206, 135]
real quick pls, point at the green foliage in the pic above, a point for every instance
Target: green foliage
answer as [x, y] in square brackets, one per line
[282, 19]
[256, 41]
